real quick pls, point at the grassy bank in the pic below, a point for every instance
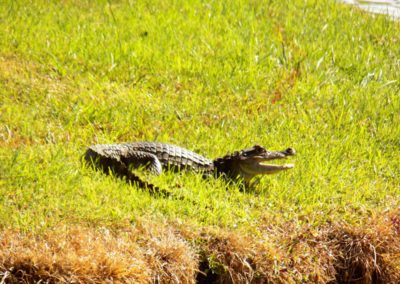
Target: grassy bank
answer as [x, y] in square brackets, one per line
[213, 78]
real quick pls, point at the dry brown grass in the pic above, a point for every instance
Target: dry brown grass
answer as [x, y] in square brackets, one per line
[86, 255]
[149, 252]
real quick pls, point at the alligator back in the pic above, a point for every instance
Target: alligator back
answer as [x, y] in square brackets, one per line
[173, 156]
[170, 156]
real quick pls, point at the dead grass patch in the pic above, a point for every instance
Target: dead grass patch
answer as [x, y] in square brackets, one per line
[367, 254]
[87, 255]
[150, 252]
[294, 253]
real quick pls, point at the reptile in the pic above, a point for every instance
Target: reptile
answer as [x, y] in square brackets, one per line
[156, 157]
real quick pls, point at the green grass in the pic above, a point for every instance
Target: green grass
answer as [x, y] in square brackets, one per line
[209, 76]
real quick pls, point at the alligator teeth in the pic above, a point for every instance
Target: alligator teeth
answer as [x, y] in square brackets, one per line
[289, 166]
[274, 166]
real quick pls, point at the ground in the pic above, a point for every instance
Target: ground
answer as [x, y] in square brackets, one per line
[212, 77]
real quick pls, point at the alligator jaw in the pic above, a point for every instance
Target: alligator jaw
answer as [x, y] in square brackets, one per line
[255, 165]
[250, 170]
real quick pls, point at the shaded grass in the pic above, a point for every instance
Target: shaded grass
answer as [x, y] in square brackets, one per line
[214, 78]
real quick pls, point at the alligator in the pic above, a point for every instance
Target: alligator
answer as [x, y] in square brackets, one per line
[120, 159]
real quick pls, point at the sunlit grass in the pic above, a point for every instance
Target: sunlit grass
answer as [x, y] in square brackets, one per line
[207, 77]
[213, 78]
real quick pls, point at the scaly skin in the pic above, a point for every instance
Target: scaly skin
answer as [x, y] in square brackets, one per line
[248, 163]
[155, 156]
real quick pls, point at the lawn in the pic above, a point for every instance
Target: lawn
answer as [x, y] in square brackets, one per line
[212, 77]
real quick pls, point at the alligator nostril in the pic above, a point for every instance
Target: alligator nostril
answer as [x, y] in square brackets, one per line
[290, 151]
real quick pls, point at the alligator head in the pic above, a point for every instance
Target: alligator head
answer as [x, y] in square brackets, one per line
[250, 162]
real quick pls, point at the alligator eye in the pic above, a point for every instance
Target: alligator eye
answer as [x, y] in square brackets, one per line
[258, 149]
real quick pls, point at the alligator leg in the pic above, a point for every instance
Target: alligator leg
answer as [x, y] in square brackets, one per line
[121, 170]
[143, 159]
